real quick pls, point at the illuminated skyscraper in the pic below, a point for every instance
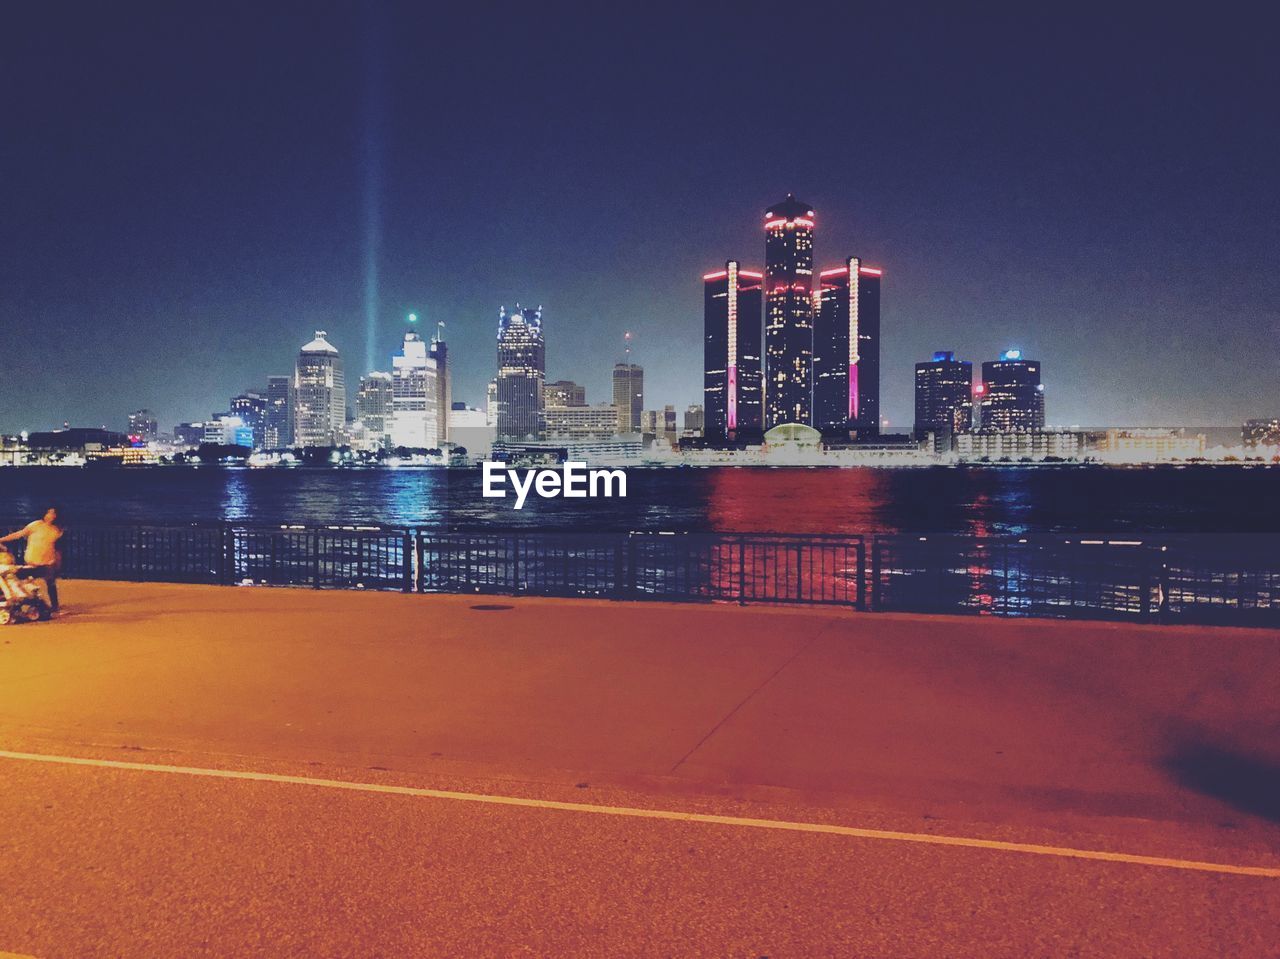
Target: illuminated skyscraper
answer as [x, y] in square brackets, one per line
[374, 405]
[846, 351]
[439, 353]
[320, 394]
[944, 398]
[143, 425]
[1012, 396]
[628, 395]
[522, 364]
[788, 313]
[279, 417]
[415, 396]
[731, 378]
[251, 407]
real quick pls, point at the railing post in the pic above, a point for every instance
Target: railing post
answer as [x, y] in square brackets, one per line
[315, 559]
[1163, 609]
[620, 565]
[1144, 608]
[226, 553]
[406, 561]
[633, 566]
[861, 601]
[742, 570]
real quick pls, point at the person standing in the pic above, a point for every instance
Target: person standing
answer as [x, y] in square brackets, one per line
[42, 551]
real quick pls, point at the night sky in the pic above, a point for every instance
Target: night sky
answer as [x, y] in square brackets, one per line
[186, 194]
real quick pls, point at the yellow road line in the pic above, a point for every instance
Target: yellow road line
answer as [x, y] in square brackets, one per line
[662, 814]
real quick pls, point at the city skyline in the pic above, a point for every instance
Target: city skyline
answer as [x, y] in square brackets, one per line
[222, 220]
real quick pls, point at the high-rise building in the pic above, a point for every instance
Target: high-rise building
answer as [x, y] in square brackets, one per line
[628, 395]
[374, 408]
[522, 364]
[415, 396]
[251, 408]
[846, 351]
[143, 425]
[660, 423]
[472, 430]
[278, 421]
[694, 421]
[439, 352]
[320, 394]
[1011, 394]
[732, 379]
[788, 313]
[491, 404]
[564, 393]
[944, 398]
[670, 427]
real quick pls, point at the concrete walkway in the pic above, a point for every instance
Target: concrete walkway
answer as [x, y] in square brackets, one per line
[1152, 743]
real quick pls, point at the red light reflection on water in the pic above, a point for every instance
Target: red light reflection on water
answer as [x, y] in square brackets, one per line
[838, 501]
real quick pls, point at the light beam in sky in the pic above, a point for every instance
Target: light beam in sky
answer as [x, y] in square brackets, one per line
[371, 157]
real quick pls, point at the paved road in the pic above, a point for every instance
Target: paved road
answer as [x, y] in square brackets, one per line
[1145, 743]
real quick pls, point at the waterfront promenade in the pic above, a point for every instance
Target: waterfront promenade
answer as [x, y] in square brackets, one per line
[200, 770]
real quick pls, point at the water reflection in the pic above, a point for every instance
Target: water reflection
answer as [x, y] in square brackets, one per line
[867, 501]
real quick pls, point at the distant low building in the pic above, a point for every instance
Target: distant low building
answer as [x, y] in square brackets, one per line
[1261, 432]
[77, 438]
[581, 422]
[188, 434]
[1149, 446]
[996, 445]
[564, 393]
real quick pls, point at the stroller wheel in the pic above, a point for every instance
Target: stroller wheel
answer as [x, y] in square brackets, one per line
[31, 611]
[6, 617]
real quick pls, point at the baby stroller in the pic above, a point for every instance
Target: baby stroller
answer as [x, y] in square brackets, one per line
[20, 601]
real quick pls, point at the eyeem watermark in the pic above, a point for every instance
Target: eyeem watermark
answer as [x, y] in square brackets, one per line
[571, 480]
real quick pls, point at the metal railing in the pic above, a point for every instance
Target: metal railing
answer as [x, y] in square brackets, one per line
[1209, 579]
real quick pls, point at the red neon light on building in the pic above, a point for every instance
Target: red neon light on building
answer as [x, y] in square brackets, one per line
[870, 271]
[838, 270]
[715, 276]
[770, 224]
[853, 392]
[754, 276]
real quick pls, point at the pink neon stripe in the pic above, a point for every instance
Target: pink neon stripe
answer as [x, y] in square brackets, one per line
[715, 276]
[733, 397]
[853, 392]
[870, 271]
